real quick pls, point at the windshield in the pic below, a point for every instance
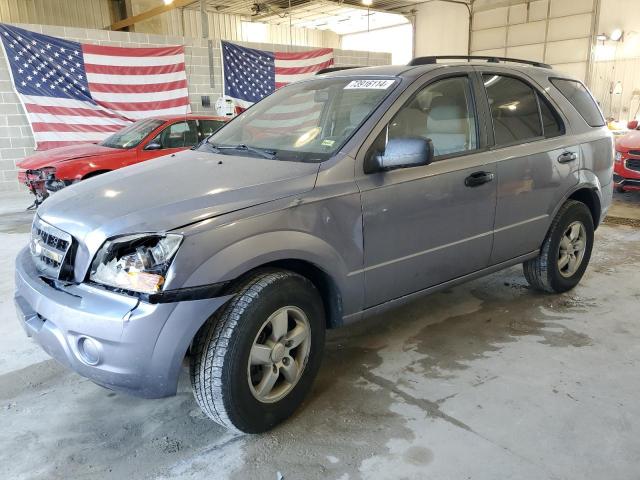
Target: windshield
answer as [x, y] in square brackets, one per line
[132, 135]
[303, 122]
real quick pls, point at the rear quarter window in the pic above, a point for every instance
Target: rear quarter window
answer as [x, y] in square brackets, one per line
[581, 99]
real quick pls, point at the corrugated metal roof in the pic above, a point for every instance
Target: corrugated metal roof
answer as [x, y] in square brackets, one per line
[301, 11]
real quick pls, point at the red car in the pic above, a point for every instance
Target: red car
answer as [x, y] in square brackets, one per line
[51, 170]
[626, 168]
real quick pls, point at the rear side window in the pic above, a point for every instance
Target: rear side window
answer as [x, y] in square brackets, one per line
[179, 135]
[552, 125]
[514, 110]
[581, 99]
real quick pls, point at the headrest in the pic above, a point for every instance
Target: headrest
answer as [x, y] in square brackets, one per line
[409, 122]
[446, 115]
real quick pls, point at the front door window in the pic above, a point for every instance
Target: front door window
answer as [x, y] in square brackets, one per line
[443, 112]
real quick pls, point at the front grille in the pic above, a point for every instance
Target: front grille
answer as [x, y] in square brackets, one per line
[50, 248]
[633, 164]
[634, 153]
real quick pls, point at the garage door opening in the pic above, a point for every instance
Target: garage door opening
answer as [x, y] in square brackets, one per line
[378, 41]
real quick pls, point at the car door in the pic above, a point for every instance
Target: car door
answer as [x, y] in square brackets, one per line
[536, 162]
[429, 224]
[173, 138]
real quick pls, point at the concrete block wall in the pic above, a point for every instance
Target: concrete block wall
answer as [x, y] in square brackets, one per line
[16, 139]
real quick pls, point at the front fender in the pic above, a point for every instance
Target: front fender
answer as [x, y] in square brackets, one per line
[80, 168]
[252, 252]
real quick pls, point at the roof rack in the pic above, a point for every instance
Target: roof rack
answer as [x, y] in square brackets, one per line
[335, 69]
[434, 59]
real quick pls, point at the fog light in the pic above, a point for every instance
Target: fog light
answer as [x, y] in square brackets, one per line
[89, 350]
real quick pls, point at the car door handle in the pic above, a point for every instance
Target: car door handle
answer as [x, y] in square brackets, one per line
[567, 157]
[478, 178]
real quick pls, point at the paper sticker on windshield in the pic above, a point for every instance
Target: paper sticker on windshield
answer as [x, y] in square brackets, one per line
[328, 143]
[369, 84]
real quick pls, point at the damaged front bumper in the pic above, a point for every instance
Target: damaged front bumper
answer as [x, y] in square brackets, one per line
[117, 341]
[42, 182]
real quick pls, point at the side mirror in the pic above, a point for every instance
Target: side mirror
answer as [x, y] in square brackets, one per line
[401, 153]
[153, 146]
[632, 125]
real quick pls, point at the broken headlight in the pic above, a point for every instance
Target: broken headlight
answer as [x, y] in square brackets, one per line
[135, 262]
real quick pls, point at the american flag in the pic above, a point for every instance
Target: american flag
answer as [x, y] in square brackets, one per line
[77, 93]
[251, 74]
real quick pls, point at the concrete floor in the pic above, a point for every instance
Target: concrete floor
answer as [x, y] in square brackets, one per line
[489, 380]
[626, 205]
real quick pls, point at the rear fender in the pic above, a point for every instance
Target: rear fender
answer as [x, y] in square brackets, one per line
[589, 181]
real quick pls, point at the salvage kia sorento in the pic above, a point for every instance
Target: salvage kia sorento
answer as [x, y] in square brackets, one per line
[331, 199]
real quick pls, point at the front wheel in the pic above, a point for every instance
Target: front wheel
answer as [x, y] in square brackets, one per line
[566, 250]
[253, 362]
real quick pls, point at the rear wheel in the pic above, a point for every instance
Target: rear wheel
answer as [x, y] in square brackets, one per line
[253, 362]
[566, 251]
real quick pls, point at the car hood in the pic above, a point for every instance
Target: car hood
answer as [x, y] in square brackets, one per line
[171, 192]
[629, 141]
[49, 158]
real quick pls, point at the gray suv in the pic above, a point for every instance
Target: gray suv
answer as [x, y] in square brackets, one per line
[332, 199]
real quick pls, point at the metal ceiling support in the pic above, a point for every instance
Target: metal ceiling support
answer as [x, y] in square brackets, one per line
[282, 13]
[592, 43]
[204, 19]
[204, 22]
[470, 7]
[290, 25]
[152, 12]
[273, 11]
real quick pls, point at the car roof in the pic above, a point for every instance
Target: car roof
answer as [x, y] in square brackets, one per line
[382, 71]
[411, 72]
[189, 116]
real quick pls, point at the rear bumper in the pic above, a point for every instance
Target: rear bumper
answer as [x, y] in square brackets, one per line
[606, 199]
[116, 341]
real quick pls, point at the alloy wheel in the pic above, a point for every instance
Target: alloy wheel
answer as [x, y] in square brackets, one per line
[279, 354]
[572, 248]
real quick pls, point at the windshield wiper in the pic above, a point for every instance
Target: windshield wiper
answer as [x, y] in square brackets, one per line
[269, 154]
[205, 143]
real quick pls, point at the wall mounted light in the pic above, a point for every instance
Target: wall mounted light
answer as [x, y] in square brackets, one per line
[168, 2]
[617, 88]
[367, 3]
[616, 35]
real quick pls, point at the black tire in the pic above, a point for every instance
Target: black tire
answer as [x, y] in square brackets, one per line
[543, 272]
[221, 351]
